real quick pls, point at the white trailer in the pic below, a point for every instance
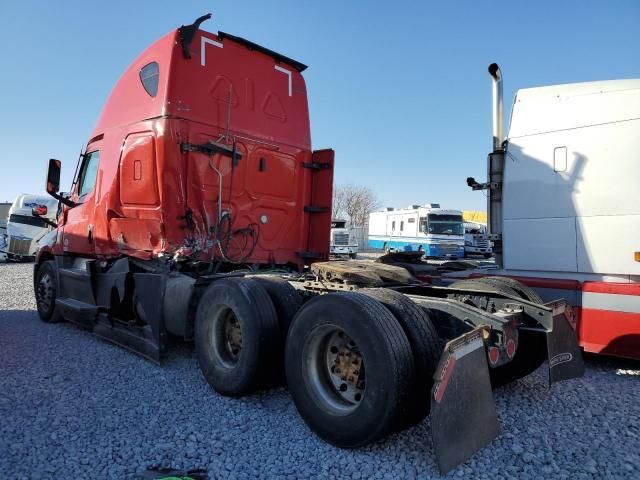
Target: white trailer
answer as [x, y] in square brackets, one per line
[563, 205]
[24, 230]
[437, 232]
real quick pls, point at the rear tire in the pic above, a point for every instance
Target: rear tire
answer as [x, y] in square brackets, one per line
[285, 298]
[45, 284]
[532, 347]
[425, 346]
[237, 336]
[523, 290]
[334, 336]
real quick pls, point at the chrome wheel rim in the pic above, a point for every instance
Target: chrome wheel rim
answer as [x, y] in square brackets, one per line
[45, 291]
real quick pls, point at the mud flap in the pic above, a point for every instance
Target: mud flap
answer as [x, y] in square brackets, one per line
[563, 351]
[463, 413]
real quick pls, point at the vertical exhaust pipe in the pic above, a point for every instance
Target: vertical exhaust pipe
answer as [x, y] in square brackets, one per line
[495, 168]
[498, 129]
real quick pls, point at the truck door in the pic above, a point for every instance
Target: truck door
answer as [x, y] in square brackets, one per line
[77, 234]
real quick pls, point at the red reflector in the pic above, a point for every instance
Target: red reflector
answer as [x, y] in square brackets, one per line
[494, 355]
[511, 348]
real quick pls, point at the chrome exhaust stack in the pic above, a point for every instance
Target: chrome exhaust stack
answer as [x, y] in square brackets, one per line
[498, 112]
[495, 168]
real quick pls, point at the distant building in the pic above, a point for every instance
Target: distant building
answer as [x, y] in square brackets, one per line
[4, 213]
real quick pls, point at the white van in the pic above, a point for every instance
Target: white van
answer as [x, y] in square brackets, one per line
[25, 230]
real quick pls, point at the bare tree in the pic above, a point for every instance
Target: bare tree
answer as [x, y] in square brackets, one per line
[354, 203]
[339, 203]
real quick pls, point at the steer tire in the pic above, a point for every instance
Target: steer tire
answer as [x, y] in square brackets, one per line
[425, 346]
[45, 285]
[532, 348]
[225, 304]
[387, 363]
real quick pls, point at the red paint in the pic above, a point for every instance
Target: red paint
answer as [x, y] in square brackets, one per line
[444, 378]
[555, 283]
[151, 198]
[612, 288]
[494, 355]
[599, 331]
[611, 333]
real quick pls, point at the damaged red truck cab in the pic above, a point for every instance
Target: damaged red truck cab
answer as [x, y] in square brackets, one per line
[202, 152]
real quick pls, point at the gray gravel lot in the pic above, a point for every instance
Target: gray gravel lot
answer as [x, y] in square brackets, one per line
[73, 406]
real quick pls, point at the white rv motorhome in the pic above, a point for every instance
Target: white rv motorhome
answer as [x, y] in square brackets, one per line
[437, 232]
[476, 240]
[25, 230]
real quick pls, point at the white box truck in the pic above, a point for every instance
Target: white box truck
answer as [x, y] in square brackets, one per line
[342, 244]
[476, 240]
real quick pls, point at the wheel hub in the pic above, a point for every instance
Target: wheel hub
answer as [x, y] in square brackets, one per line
[45, 291]
[345, 367]
[233, 335]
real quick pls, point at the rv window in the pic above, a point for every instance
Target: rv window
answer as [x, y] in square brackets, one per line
[401, 226]
[88, 173]
[149, 77]
[393, 225]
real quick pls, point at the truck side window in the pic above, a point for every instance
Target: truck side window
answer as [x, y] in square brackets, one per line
[88, 173]
[149, 77]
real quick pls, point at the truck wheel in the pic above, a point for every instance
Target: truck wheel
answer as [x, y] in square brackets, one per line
[236, 336]
[46, 291]
[349, 368]
[285, 298]
[532, 349]
[353, 255]
[425, 346]
[524, 291]
[287, 302]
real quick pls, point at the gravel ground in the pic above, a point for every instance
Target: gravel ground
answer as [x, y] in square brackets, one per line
[72, 406]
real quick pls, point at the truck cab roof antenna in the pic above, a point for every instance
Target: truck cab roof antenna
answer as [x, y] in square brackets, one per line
[188, 32]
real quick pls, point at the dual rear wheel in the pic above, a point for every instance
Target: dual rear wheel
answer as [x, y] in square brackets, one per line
[359, 365]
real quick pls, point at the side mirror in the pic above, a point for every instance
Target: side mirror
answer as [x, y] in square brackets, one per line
[53, 176]
[53, 184]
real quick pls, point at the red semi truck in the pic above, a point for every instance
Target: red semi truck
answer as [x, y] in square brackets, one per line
[200, 211]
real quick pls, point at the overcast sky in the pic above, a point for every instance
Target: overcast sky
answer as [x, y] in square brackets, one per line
[399, 89]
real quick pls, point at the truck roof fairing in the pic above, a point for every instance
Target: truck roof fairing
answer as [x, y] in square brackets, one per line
[267, 91]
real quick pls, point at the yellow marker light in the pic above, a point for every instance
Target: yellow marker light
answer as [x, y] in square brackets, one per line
[636, 256]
